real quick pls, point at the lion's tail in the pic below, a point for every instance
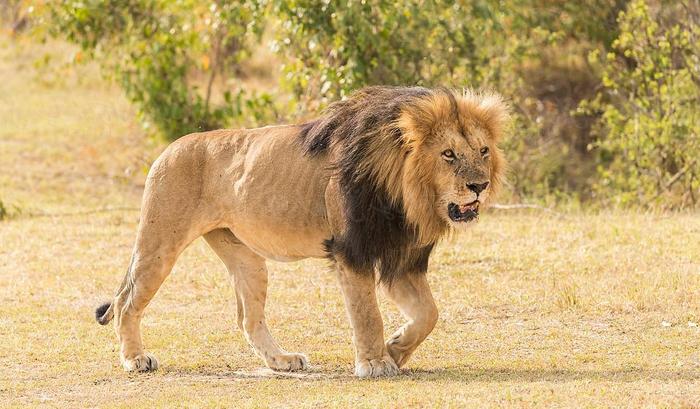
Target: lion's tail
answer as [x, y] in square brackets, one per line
[104, 313]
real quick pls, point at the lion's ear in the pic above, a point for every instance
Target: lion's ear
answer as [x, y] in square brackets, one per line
[418, 121]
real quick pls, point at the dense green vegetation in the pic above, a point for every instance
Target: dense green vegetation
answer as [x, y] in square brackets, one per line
[648, 109]
[605, 93]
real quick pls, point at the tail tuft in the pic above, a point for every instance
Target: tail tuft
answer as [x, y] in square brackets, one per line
[103, 313]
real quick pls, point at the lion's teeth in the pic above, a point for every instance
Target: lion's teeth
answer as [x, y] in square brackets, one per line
[474, 206]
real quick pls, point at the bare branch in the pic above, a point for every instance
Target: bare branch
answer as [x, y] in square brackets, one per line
[518, 206]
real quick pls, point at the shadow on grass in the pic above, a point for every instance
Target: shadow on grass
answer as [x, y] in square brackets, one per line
[471, 374]
[311, 374]
[459, 374]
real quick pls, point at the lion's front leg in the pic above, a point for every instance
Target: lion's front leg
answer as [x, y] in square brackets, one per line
[371, 356]
[412, 295]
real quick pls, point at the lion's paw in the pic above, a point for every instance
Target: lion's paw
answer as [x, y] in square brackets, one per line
[399, 354]
[140, 363]
[288, 362]
[374, 368]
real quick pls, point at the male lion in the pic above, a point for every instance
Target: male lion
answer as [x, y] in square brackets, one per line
[372, 184]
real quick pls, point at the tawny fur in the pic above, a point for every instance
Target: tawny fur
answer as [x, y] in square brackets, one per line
[366, 184]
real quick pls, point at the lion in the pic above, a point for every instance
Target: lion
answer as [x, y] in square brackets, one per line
[372, 184]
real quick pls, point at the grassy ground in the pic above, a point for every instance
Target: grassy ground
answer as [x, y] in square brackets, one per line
[582, 310]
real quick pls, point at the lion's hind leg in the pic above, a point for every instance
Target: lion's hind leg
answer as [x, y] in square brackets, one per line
[249, 274]
[144, 278]
[160, 240]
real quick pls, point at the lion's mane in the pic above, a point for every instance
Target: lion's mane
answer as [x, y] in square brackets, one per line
[372, 140]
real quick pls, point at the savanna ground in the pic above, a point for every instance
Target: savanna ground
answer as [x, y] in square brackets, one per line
[583, 309]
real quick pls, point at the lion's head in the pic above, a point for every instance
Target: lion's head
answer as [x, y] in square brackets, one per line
[411, 163]
[453, 164]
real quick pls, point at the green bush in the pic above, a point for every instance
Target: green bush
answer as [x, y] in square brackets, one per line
[649, 127]
[618, 124]
[166, 55]
[516, 48]
[332, 49]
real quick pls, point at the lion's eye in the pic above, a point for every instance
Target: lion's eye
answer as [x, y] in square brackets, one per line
[485, 151]
[448, 154]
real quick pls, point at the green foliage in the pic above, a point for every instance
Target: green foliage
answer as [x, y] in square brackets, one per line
[649, 126]
[605, 103]
[166, 55]
[335, 47]
[339, 46]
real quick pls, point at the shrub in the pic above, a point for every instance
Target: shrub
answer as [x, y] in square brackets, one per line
[166, 55]
[620, 125]
[336, 47]
[649, 128]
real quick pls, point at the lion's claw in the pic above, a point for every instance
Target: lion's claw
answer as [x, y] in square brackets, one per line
[374, 368]
[140, 363]
[288, 362]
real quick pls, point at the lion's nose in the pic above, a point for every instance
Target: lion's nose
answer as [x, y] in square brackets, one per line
[477, 187]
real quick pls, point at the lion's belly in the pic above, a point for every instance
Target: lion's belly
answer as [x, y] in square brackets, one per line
[276, 204]
[282, 244]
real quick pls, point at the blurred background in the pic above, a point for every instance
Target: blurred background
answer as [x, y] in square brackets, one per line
[591, 299]
[605, 93]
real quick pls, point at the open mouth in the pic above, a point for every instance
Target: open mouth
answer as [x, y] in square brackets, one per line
[463, 213]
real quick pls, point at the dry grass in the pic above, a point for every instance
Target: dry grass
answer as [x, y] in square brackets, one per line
[586, 310]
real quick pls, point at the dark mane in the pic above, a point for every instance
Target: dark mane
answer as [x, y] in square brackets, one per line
[363, 114]
[377, 235]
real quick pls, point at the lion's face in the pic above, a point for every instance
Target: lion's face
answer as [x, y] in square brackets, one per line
[449, 164]
[463, 163]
